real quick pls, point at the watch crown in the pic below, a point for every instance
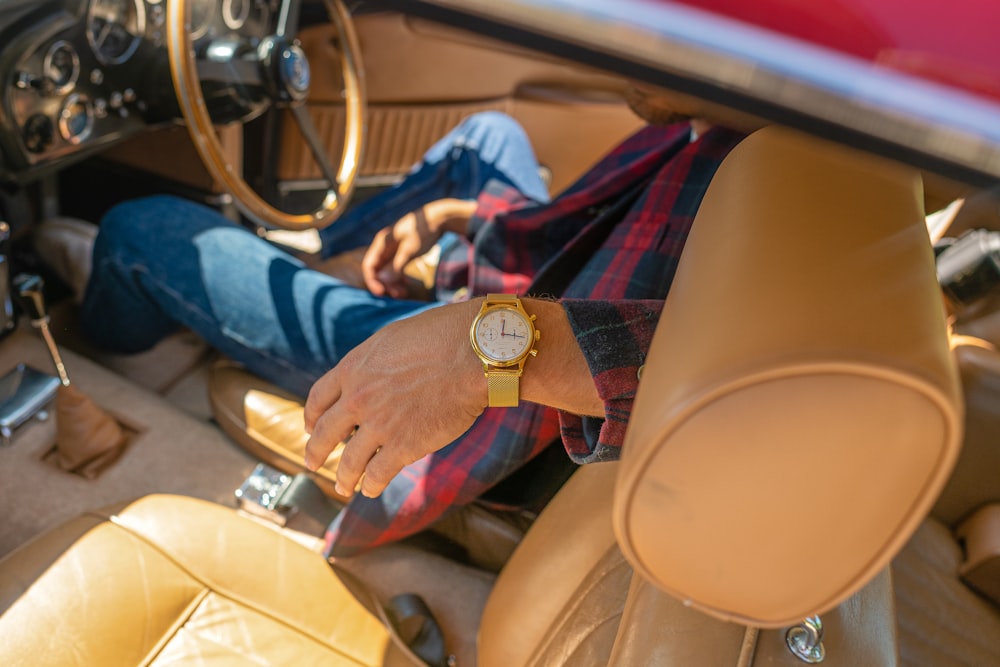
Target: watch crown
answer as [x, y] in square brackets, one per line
[533, 353]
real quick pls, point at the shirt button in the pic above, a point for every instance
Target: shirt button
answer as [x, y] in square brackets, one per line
[638, 373]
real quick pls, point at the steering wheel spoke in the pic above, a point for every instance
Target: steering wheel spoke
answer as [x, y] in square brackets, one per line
[309, 133]
[278, 69]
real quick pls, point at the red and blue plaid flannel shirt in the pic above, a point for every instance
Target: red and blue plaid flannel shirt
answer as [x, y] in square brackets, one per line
[613, 303]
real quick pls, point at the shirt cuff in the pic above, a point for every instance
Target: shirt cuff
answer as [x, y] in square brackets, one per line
[614, 337]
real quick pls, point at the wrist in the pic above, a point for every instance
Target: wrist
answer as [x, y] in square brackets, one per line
[560, 376]
[469, 362]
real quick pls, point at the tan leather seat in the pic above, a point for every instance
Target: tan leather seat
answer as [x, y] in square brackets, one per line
[941, 620]
[722, 478]
[173, 580]
[806, 371]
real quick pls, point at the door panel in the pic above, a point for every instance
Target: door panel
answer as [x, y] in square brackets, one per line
[423, 78]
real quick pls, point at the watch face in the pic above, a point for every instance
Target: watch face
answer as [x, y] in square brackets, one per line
[504, 335]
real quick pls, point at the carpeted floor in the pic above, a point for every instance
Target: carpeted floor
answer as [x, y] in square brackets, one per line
[173, 451]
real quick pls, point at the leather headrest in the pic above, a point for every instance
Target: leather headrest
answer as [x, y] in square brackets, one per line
[799, 410]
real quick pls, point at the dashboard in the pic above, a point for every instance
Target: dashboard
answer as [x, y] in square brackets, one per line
[79, 75]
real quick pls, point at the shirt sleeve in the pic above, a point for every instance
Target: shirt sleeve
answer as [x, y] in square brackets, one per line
[615, 337]
[495, 199]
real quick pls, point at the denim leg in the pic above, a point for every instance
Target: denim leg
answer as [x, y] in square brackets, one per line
[484, 146]
[163, 262]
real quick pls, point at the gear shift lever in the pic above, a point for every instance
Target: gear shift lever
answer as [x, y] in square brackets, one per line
[87, 438]
[29, 289]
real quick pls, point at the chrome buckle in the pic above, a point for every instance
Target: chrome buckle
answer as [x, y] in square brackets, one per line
[261, 492]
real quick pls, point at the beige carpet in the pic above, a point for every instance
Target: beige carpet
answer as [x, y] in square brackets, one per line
[173, 453]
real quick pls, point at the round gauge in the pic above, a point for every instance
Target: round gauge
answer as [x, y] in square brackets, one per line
[235, 13]
[115, 28]
[76, 119]
[201, 17]
[61, 66]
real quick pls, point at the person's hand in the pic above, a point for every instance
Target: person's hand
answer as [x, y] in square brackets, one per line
[410, 389]
[411, 236]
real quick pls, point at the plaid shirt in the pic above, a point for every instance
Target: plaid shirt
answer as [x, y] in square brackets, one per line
[613, 304]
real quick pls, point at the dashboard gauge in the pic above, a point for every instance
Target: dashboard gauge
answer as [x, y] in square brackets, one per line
[76, 119]
[61, 66]
[115, 28]
[235, 13]
[201, 17]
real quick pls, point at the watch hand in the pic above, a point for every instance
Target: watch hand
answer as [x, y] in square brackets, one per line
[503, 325]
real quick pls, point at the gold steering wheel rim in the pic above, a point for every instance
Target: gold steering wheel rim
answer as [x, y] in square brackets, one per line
[187, 87]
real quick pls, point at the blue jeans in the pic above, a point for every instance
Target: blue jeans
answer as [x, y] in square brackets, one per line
[486, 146]
[162, 263]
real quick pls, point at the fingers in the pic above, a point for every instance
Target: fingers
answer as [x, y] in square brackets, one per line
[323, 394]
[407, 250]
[330, 421]
[332, 428]
[366, 465]
[327, 419]
[379, 253]
[382, 467]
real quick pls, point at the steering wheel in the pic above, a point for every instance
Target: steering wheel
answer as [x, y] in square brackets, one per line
[279, 67]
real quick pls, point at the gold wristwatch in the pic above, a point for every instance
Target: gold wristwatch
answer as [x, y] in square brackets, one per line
[503, 335]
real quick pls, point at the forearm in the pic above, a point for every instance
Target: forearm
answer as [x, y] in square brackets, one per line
[452, 215]
[558, 376]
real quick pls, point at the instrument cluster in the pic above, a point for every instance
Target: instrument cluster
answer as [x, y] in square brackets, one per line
[92, 72]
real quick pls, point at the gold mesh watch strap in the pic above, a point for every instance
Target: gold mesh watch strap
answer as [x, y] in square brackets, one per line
[502, 388]
[510, 299]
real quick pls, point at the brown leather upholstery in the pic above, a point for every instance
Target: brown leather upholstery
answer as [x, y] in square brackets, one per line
[974, 481]
[168, 578]
[941, 621]
[559, 598]
[173, 580]
[660, 630]
[801, 412]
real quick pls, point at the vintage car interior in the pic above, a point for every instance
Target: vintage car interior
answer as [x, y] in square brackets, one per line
[811, 474]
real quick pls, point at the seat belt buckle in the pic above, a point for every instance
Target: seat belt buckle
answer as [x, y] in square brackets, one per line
[290, 501]
[261, 492]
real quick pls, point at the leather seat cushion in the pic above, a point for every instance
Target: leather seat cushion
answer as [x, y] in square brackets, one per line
[175, 580]
[941, 620]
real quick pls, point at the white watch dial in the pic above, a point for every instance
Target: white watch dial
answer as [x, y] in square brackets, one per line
[503, 335]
